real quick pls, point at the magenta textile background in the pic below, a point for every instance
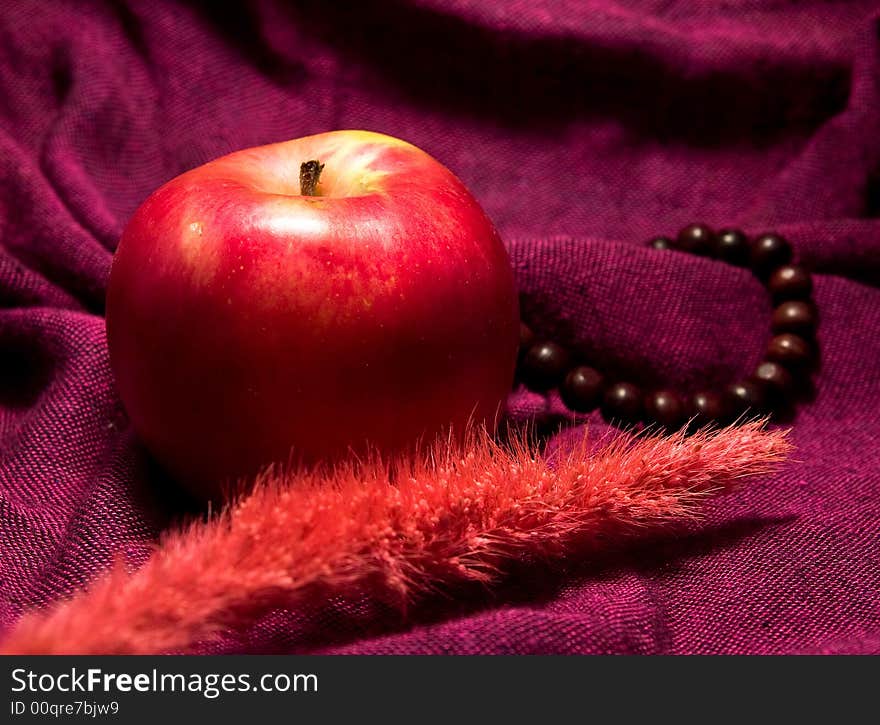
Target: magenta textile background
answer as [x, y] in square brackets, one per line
[584, 128]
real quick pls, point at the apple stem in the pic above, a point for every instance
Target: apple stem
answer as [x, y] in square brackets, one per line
[309, 173]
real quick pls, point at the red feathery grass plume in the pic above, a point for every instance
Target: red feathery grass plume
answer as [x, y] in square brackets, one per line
[452, 515]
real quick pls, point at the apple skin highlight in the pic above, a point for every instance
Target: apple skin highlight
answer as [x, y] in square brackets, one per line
[249, 324]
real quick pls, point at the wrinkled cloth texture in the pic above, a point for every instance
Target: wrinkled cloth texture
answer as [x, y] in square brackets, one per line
[584, 128]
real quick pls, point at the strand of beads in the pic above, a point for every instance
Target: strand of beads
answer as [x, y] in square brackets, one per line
[790, 356]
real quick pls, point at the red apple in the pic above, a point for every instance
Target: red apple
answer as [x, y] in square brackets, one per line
[246, 319]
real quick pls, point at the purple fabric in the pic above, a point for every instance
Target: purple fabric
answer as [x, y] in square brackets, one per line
[584, 128]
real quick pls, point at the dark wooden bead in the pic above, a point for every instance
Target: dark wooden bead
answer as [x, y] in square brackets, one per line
[790, 282]
[660, 243]
[732, 246]
[790, 350]
[745, 398]
[706, 407]
[777, 381]
[664, 408]
[581, 390]
[797, 317]
[768, 252]
[695, 238]
[622, 402]
[544, 365]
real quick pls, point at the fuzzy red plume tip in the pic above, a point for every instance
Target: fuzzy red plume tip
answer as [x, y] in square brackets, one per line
[406, 528]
